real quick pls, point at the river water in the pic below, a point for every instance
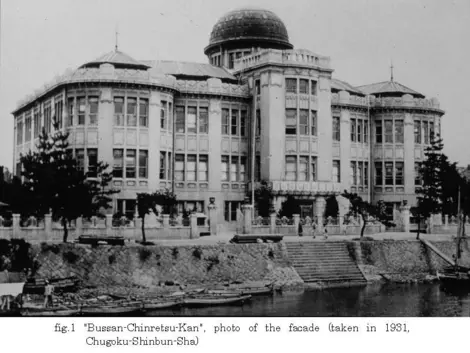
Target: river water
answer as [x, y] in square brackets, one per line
[376, 300]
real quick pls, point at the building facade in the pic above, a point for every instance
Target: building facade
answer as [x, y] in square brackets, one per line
[259, 110]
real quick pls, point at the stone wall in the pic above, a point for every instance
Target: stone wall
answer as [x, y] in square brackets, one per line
[152, 265]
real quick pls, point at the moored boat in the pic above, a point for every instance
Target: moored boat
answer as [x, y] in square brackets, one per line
[112, 309]
[155, 304]
[208, 300]
[50, 311]
[267, 290]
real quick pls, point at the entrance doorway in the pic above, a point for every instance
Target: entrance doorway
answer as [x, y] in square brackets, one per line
[306, 210]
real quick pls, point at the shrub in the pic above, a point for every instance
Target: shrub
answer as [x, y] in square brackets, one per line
[197, 253]
[212, 261]
[175, 253]
[144, 254]
[70, 256]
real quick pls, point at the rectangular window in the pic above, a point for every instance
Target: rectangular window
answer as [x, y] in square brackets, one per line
[399, 175]
[203, 120]
[70, 111]
[118, 111]
[378, 131]
[336, 172]
[92, 162]
[242, 169]
[378, 173]
[313, 88]
[118, 163]
[203, 168]
[303, 86]
[366, 173]
[58, 111]
[224, 168]
[191, 167]
[143, 164]
[399, 132]
[418, 180]
[192, 120]
[80, 158]
[353, 130]
[417, 131]
[291, 168]
[37, 123]
[93, 106]
[388, 173]
[360, 174]
[313, 168]
[163, 115]
[179, 167]
[258, 168]
[234, 122]
[303, 122]
[243, 120]
[291, 121]
[81, 104]
[431, 131]
[257, 87]
[352, 173]
[162, 174]
[313, 122]
[360, 124]
[366, 131]
[336, 128]
[27, 124]
[225, 118]
[48, 117]
[131, 111]
[234, 169]
[426, 132]
[388, 124]
[180, 119]
[258, 122]
[143, 112]
[303, 168]
[19, 133]
[291, 85]
[131, 163]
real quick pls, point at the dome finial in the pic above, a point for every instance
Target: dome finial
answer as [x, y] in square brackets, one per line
[117, 34]
[391, 70]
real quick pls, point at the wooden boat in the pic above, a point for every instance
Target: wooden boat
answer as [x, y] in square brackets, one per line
[36, 286]
[112, 309]
[267, 290]
[60, 311]
[209, 300]
[161, 303]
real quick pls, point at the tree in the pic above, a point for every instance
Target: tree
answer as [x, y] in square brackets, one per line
[98, 183]
[147, 203]
[366, 209]
[264, 198]
[58, 185]
[289, 207]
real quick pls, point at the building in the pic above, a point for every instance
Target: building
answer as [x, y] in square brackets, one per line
[259, 110]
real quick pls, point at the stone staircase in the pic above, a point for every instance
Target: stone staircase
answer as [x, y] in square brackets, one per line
[324, 262]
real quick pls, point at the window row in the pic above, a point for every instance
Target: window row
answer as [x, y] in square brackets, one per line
[233, 168]
[191, 167]
[128, 163]
[303, 86]
[305, 124]
[166, 166]
[301, 168]
[423, 131]
[389, 173]
[389, 131]
[130, 111]
[82, 111]
[359, 130]
[359, 173]
[166, 115]
[192, 119]
[190, 207]
[87, 160]
[234, 122]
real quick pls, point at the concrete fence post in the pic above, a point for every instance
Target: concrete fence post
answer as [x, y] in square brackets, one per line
[342, 226]
[109, 225]
[78, 227]
[296, 218]
[16, 226]
[405, 218]
[212, 209]
[193, 233]
[272, 223]
[247, 221]
[48, 225]
[166, 220]
[446, 221]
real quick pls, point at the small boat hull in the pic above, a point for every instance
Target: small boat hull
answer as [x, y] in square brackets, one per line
[215, 300]
[50, 312]
[161, 304]
[455, 280]
[243, 291]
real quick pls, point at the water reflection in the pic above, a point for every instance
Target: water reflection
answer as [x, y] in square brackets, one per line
[372, 300]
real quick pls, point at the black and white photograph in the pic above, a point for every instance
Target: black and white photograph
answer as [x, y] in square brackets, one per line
[234, 159]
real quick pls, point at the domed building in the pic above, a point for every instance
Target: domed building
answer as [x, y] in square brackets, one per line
[258, 110]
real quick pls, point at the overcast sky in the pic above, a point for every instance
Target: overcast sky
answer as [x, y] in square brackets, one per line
[427, 40]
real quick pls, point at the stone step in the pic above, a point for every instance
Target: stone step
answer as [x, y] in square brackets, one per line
[317, 272]
[333, 279]
[324, 265]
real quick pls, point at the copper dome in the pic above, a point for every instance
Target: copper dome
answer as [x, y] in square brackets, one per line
[256, 27]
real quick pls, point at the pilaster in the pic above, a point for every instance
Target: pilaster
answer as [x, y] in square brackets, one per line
[409, 158]
[154, 141]
[215, 140]
[345, 148]
[105, 126]
[325, 130]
